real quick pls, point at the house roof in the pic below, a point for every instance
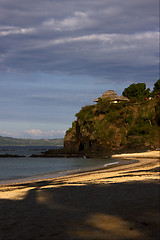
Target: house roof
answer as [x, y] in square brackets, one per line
[123, 98]
[112, 95]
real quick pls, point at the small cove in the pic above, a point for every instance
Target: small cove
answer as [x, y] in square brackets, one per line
[27, 168]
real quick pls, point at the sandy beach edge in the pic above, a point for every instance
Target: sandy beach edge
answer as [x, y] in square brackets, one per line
[124, 161]
[121, 202]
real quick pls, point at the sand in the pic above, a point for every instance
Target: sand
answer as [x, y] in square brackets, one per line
[120, 202]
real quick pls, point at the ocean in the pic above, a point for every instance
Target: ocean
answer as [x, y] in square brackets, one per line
[26, 168]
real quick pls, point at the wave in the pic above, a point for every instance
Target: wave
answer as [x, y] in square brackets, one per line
[108, 164]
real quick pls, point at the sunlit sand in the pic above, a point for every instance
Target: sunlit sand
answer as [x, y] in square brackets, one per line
[119, 202]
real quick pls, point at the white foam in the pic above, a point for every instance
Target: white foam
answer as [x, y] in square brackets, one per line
[108, 164]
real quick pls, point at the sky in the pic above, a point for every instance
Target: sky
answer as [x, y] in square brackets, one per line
[59, 55]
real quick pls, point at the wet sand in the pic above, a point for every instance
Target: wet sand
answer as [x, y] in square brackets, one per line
[120, 202]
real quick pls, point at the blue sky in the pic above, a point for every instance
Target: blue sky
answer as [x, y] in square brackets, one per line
[59, 55]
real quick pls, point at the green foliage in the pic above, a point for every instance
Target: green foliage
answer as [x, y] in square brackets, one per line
[129, 118]
[143, 123]
[156, 89]
[112, 116]
[123, 134]
[111, 133]
[139, 129]
[103, 106]
[86, 113]
[100, 129]
[145, 116]
[134, 142]
[73, 126]
[130, 124]
[103, 131]
[157, 110]
[137, 91]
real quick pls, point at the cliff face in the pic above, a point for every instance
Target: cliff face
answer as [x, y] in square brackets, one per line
[107, 127]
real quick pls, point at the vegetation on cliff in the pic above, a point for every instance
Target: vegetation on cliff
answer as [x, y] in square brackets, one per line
[106, 127]
[139, 91]
[136, 91]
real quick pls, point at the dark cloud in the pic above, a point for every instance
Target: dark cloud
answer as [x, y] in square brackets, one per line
[78, 37]
[32, 12]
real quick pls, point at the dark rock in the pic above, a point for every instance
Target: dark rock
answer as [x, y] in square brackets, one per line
[7, 155]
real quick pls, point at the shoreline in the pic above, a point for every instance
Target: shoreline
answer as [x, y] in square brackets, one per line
[123, 160]
[49, 176]
[69, 173]
[118, 202]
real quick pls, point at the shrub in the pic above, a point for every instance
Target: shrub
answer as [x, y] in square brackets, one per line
[156, 89]
[102, 107]
[112, 116]
[129, 119]
[138, 91]
[86, 113]
[157, 112]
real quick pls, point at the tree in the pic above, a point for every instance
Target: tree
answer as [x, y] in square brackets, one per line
[138, 91]
[156, 88]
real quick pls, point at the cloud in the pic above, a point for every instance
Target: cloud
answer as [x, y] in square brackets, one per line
[9, 133]
[83, 38]
[8, 30]
[93, 54]
[79, 20]
[34, 133]
[37, 133]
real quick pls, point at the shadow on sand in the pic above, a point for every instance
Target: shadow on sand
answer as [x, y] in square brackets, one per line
[115, 211]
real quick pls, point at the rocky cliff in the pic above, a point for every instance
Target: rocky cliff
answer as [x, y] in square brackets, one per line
[107, 127]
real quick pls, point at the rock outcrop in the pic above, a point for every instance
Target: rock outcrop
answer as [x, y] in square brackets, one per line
[106, 128]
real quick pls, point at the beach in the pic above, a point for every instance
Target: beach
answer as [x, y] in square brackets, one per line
[117, 202]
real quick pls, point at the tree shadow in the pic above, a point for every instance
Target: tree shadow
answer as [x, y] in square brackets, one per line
[156, 169]
[113, 211]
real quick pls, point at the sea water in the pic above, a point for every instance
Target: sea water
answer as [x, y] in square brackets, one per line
[27, 168]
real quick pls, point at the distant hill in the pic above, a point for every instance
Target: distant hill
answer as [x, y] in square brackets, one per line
[9, 141]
